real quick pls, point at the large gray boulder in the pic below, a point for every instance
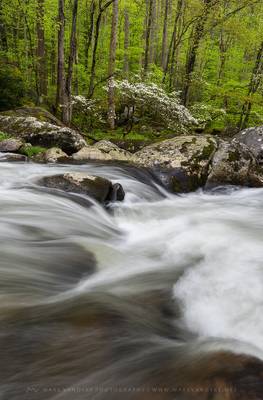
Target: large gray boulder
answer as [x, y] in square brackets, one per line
[182, 163]
[253, 139]
[102, 151]
[41, 133]
[234, 164]
[100, 189]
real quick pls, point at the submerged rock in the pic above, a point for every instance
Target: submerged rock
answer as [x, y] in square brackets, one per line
[41, 133]
[253, 139]
[102, 151]
[234, 164]
[182, 163]
[96, 187]
[10, 145]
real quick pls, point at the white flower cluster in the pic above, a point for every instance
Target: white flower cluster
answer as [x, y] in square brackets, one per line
[88, 107]
[152, 101]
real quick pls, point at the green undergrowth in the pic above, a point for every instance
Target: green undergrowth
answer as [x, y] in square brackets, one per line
[3, 136]
[121, 135]
[31, 151]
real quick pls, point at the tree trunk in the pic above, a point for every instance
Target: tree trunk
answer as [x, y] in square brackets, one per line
[173, 42]
[153, 34]
[112, 64]
[126, 41]
[102, 8]
[3, 34]
[40, 52]
[89, 33]
[67, 109]
[191, 60]
[255, 81]
[148, 36]
[60, 101]
[164, 41]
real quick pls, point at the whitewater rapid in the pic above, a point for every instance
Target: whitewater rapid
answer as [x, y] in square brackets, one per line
[206, 247]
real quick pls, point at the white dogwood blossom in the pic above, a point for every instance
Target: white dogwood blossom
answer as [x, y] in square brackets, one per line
[86, 107]
[150, 100]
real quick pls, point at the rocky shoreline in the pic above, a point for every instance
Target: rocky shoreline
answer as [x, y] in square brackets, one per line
[183, 163]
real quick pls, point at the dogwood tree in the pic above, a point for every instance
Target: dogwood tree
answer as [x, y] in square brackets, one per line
[151, 101]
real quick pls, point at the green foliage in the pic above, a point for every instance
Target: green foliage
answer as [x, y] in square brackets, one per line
[3, 136]
[225, 58]
[31, 151]
[12, 87]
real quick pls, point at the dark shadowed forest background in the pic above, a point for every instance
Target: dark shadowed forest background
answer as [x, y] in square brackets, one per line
[135, 68]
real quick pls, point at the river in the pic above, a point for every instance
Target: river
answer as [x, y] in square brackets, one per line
[159, 297]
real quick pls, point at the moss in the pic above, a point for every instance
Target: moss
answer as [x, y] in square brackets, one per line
[233, 156]
[3, 136]
[31, 151]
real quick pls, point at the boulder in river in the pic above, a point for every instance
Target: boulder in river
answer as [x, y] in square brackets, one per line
[10, 157]
[55, 155]
[10, 145]
[234, 164]
[102, 190]
[102, 151]
[182, 163]
[253, 139]
[41, 133]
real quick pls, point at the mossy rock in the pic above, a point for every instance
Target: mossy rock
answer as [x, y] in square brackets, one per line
[234, 164]
[182, 163]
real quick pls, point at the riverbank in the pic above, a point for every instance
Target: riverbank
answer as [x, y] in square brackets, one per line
[184, 163]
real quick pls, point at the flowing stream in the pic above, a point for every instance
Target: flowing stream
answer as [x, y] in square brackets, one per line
[137, 301]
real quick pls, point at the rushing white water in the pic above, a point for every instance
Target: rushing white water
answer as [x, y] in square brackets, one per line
[213, 241]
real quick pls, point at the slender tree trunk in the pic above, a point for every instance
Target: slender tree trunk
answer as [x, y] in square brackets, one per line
[148, 36]
[53, 57]
[102, 8]
[60, 101]
[40, 52]
[191, 60]
[223, 50]
[176, 43]
[89, 32]
[173, 41]
[164, 41]
[255, 81]
[112, 64]
[153, 34]
[67, 109]
[126, 41]
[3, 33]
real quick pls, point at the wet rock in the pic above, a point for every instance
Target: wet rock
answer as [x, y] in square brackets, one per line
[182, 163]
[10, 145]
[41, 133]
[102, 151]
[77, 182]
[234, 164]
[13, 157]
[55, 155]
[117, 193]
[253, 139]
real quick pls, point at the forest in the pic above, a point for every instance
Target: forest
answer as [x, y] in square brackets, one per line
[135, 67]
